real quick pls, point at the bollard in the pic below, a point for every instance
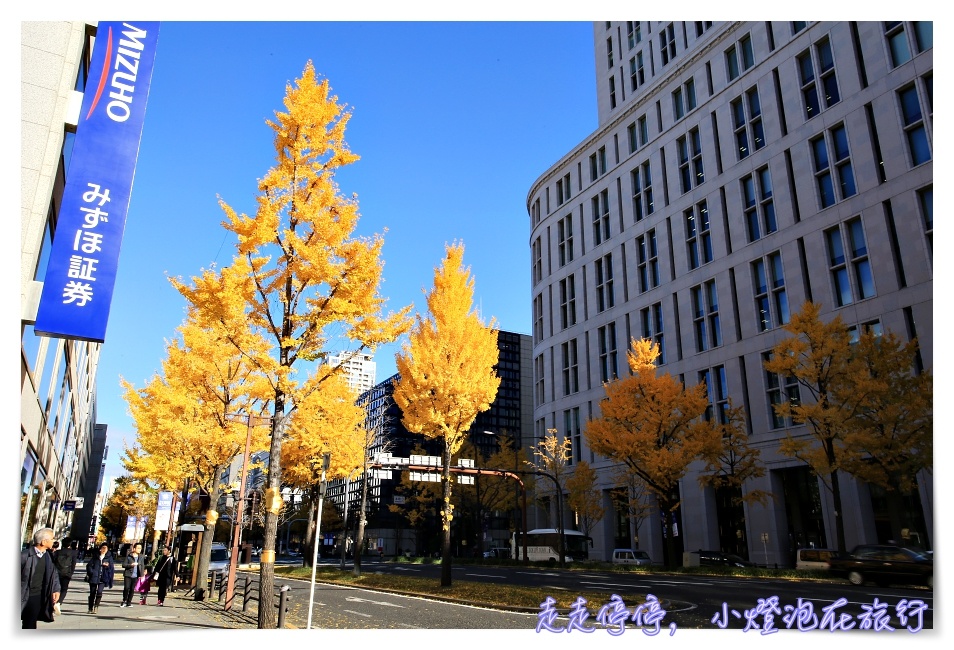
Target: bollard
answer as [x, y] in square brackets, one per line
[283, 598]
[245, 591]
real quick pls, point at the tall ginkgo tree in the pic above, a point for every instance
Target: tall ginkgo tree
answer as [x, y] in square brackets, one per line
[655, 427]
[446, 372]
[301, 278]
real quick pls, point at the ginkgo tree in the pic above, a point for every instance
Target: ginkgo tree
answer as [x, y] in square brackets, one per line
[655, 427]
[551, 459]
[584, 498]
[300, 278]
[446, 372]
[183, 417]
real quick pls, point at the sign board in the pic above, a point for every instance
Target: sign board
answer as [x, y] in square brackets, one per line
[69, 506]
[79, 502]
[192, 528]
[163, 510]
[397, 500]
[81, 271]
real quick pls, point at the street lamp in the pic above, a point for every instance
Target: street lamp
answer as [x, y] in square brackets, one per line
[251, 421]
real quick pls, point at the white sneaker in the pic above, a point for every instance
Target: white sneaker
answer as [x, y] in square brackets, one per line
[56, 609]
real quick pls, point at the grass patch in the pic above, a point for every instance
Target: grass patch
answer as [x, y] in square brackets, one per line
[478, 592]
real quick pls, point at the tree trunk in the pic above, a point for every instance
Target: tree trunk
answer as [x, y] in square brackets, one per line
[205, 551]
[447, 517]
[266, 575]
[359, 538]
[309, 550]
[839, 521]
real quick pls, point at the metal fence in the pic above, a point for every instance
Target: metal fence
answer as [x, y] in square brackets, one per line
[246, 585]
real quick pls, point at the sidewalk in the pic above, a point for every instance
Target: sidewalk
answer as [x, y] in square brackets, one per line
[178, 612]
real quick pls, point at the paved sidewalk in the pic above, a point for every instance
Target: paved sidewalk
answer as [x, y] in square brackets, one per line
[178, 612]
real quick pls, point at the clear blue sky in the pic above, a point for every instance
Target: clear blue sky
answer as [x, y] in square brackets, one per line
[453, 122]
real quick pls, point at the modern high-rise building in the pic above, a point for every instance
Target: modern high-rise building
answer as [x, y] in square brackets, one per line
[738, 170]
[58, 375]
[358, 368]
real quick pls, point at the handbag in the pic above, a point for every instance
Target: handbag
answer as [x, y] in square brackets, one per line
[142, 584]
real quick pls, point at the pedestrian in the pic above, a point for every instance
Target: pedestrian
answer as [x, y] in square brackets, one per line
[99, 574]
[134, 566]
[162, 573]
[39, 582]
[65, 561]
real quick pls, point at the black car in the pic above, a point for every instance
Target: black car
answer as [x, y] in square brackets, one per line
[718, 558]
[884, 565]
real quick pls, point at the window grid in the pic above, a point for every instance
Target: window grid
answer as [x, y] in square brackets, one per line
[776, 391]
[642, 191]
[771, 299]
[758, 205]
[540, 381]
[609, 53]
[698, 237]
[637, 72]
[705, 316]
[900, 36]
[926, 203]
[834, 142]
[538, 318]
[667, 44]
[598, 164]
[915, 131]
[647, 261]
[563, 190]
[633, 33]
[702, 26]
[606, 341]
[717, 394]
[565, 239]
[855, 266]
[652, 329]
[571, 377]
[691, 171]
[537, 260]
[603, 269]
[601, 217]
[739, 58]
[747, 122]
[568, 301]
[819, 84]
[612, 91]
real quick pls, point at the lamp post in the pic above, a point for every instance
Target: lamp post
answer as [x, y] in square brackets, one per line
[325, 464]
[251, 421]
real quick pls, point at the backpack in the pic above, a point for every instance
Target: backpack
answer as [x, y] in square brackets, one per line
[63, 562]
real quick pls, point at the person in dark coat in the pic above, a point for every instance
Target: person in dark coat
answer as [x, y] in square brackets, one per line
[134, 566]
[65, 561]
[99, 574]
[162, 572]
[39, 582]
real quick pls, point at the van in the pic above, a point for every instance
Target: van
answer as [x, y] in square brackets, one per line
[629, 556]
[219, 559]
[814, 559]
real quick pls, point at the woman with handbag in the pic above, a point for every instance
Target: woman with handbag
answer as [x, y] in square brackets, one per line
[162, 573]
[134, 567]
[99, 574]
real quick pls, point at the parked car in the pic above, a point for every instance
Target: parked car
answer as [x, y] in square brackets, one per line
[629, 556]
[814, 559]
[219, 559]
[500, 552]
[718, 558]
[884, 564]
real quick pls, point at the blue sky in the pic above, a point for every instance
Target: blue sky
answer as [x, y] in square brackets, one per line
[453, 123]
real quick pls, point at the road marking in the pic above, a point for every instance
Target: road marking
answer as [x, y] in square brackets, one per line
[483, 575]
[531, 573]
[351, 611]
[609, 584]
[355, 599]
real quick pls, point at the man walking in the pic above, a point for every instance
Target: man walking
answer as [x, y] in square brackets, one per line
[99, 574]
[39, 582]
[65, 561]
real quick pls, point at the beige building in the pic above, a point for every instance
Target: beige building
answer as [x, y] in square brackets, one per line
[57, 376]
[738, 170]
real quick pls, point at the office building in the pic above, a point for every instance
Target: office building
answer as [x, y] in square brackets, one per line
[358, 369]
[738, 169]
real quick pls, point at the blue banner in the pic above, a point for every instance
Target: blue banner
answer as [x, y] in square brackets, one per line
[81, 272]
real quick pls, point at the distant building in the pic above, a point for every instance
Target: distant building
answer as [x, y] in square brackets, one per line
[738, 169]
[358, 368]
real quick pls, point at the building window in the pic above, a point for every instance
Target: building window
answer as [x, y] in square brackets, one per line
[571, 425]
[565, 239]
[683, 100]
[538, 318]
[571, 377]
[540, 385]
[691, 172]
[702, 26]
[926, 202]
[739, 58]
[638, 134]
[537, 260]
[598, 164]
[601, 217]
[678, 109]
[642, 191]
[758, 205]
[872, 327]
[778, 391]
[717, 393]
[563, 190]
[771, 300]
[648, 261]
[609, 53]
[698, 237]
[837, 143]
[535, 212]
[818, 72]
[568, 301]
[637, 74]
[856, 265]
[604, 283]
[633, 33]
[747, 122]
[900, 35]
[667, 44]
[612, 91]
[705, 316]
[797, 26]
[606, 341]
[913, 123]
[651, 319]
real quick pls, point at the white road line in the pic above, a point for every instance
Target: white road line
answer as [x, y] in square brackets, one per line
[351, 611]
[483, 575]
